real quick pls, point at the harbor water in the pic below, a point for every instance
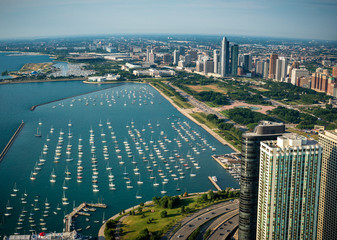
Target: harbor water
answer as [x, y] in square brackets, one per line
[120, 146]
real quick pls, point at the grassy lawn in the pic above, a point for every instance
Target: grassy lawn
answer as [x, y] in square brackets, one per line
[177, 99]
[210, 87]
[29, 67]
[227, 135]
[133, 224]
[210, 104]
[201, 117]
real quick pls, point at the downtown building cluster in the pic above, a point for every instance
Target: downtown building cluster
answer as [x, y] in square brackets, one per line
[279, 69]
[224, 62]
[288, 185]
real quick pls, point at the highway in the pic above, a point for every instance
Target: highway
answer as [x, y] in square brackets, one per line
[224, 226]
[191, 223]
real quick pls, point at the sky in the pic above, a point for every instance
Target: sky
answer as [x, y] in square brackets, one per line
[305, 19]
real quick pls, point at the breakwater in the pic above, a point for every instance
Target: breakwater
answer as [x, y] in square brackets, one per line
[57, 100]
[9, 144]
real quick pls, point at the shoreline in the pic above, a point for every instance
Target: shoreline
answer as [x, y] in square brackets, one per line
[186, 114]
[47, 80]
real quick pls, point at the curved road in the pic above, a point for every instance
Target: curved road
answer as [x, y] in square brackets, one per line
[225, 226]
[201, 217]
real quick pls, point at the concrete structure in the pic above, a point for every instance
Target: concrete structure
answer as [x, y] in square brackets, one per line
[193, 54]
[234, 59]
[272, 65]
[288, 188]
[297, 73]
[154, 73]
[130, 66]
[249, 180]
[304, 82]
[181, 64]
[224, 57]
[327, 220]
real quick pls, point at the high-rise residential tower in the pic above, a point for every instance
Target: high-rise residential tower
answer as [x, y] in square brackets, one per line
[289, 185]
[234, 59]
[216, 61]
[249, 180]
[224, 57]
[327, 213]
[272, 65]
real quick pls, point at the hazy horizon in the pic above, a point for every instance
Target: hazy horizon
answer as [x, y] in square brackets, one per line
[298, 19]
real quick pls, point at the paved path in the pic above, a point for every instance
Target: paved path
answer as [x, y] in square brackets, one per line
[199, 218]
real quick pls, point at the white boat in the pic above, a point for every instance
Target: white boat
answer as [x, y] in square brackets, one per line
[38, 133]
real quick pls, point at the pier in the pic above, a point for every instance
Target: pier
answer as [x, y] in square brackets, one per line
[9, 144]
[41, 104]
[68, 219]
[214, 183]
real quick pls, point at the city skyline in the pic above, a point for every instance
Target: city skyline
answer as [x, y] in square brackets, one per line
[290, 19]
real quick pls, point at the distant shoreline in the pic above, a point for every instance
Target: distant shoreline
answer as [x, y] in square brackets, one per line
[48, 80]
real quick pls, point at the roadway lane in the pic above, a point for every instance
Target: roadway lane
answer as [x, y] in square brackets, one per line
[201, 218]
[226, 227]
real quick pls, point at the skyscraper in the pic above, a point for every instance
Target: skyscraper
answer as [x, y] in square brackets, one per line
[234, 59]
[216, 61]
[247, 62]
[327, 214]
[250, 175]
[175, 57]
[272, 65]
[278, 70]
[288, 188]
[224, 57]
[208, 66]
[266, 69]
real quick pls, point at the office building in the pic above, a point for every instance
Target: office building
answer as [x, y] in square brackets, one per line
[152, 56]
[289, 186]
[334, 71]
[175, 57]
[259, 68]
[208, 66]
[272, 65]
[199, 67]
[249, 180]
[247, 63]
[266, 69]
[234, 59]
[167, 59]
[216, 61]
[297, 73]
[281, 69]
[193, 54]
[224, 57]
[148, 50]
[327, 213]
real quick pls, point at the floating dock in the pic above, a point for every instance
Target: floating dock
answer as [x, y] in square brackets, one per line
[214, 183]
[9, 144]
[68, 219]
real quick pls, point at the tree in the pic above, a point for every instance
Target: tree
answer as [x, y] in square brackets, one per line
[204, 197]
[163, 214]
[140, 209]
[211, 195]
[141, 204]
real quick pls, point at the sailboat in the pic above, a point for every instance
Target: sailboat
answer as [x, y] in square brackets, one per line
[138, 196]
[139, 182]
[38, 133]
[163, 191]
[64, 199]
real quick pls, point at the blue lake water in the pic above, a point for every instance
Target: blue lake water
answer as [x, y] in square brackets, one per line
[130, 128]
[14, 63]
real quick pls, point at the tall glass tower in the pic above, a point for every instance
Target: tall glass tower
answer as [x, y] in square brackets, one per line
[249, 179]
[224, 57]
[290, 170]
[234, 59]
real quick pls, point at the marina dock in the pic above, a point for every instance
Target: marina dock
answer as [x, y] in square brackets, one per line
[68, 219]
[9, 144]
[214, 183]
[231, 162]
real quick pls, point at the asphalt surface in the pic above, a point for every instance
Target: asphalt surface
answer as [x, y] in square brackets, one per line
[199, 218]
[226, 227]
